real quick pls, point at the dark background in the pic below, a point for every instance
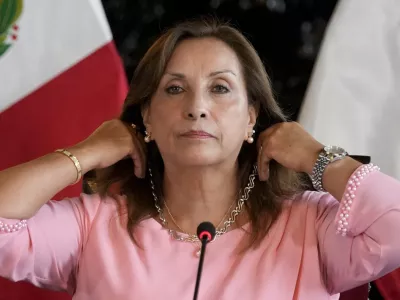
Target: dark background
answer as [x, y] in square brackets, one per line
[286, 34]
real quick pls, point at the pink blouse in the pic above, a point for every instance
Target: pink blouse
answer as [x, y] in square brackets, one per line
[81, 245]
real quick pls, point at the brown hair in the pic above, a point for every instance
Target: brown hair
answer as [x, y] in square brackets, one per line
[266, 200]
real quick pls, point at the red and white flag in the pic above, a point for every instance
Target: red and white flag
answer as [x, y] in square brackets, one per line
[60, 78]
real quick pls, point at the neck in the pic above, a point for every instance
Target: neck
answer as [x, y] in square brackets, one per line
[194, 195]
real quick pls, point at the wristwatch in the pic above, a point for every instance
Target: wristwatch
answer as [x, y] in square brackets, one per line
[328, 155]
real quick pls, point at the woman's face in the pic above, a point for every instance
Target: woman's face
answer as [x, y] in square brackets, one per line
[199, 115]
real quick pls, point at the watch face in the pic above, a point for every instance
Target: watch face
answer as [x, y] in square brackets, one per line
[335, 150]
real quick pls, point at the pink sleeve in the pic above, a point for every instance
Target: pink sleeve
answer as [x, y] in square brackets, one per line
[359, 237]
[46, 251]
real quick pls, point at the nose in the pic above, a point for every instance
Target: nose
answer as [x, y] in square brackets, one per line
[196, 108]
[194, 115]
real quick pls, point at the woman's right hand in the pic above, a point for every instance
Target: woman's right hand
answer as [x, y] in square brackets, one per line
[108, 144]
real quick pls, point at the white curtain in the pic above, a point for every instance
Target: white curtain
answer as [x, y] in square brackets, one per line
[353, 99]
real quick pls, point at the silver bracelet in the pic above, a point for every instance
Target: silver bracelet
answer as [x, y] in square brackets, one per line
[318, 171]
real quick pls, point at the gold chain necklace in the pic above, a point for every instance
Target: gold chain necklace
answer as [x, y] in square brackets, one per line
[192, 238]
[184, 231]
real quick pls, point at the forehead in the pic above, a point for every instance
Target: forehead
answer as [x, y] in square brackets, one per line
[205, 54]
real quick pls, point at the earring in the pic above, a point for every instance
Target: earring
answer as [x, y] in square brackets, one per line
[147, 138]
[250, 138]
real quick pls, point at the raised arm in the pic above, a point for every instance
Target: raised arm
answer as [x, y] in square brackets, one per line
[358, 237]
[362, 205]
[26, 187]
[44, 248]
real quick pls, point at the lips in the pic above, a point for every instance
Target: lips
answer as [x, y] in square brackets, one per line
[197, 134]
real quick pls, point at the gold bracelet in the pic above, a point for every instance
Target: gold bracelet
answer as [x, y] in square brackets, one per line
[76, 163]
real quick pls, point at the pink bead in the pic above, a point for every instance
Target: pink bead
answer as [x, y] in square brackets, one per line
[347, 201]
[12, 228]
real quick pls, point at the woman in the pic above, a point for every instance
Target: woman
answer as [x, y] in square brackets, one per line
[203, 102]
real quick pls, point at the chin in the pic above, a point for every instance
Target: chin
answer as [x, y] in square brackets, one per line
[195, 158]
[198, 160]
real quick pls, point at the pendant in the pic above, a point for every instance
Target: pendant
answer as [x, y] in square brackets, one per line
[198, 252]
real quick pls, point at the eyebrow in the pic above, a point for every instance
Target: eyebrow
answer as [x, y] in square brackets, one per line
[180, 75]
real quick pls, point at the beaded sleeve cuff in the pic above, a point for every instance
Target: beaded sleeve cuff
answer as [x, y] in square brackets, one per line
[349, 196]
[12, 228]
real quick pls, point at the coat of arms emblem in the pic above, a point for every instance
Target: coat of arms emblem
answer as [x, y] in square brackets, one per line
[10, 11]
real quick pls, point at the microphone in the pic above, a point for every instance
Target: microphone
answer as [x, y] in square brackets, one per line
[205, 233]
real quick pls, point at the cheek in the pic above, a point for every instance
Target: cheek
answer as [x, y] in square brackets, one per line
[233, 121]
[162, 119]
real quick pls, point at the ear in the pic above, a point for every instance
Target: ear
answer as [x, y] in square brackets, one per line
[146, 115]
[252, 116]
[251, 122]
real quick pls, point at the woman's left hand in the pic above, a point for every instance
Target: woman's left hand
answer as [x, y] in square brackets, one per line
[288, 144]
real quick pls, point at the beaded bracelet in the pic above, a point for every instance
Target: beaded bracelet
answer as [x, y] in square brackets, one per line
[345, 205]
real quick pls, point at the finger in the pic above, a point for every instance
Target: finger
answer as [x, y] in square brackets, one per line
[263, 164]
[265, 136]
[139, 157]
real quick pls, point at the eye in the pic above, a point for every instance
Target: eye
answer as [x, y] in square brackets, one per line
[174, 89]
[220, 89]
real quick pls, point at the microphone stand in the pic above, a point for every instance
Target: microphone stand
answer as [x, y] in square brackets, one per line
[204, 242]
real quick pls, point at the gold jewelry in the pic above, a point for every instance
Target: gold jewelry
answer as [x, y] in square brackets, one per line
[76, 163]
[185, 232]
[193, 236]
[232, 219]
